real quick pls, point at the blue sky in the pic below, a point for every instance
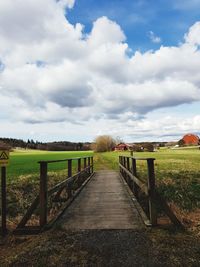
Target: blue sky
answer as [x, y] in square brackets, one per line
[75, 69]
[167, 19]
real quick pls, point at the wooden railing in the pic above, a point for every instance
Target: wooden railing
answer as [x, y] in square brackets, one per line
[128, 170]
[72, 185]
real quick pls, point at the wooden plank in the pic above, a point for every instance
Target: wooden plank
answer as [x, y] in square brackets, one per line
[128, 164]
[158, 198]
[140, 158]
[92, 164]
[135, 188]
[103, 204]
[151, 192]
[29, 213]
[64, 183]
[3, 201]
[85, 163]
[69, 187]
[54, 161]
[43, 193]
[142, 185]
[89, 164]
[79, 165]
[68, 202]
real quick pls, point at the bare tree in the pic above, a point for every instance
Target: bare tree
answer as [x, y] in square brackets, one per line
[118, 140]
[104, 143]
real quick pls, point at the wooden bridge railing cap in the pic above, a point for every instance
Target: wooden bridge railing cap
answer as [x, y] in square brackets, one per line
[138, 158]
[62, 160]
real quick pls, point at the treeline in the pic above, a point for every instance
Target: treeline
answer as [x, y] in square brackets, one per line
[50, 146]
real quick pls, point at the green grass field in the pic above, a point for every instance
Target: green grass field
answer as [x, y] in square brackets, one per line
[25, 162]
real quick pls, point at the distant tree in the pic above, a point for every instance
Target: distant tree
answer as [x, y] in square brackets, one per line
[137, 148]
[79, 146]
[104, 143]
[118, 140]
[181, 142]
[148, 147]
[161, 144]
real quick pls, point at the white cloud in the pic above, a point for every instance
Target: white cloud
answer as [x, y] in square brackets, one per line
[193, 35]
[154, 39]
[105, 31]
[53, 72]
[185, 4]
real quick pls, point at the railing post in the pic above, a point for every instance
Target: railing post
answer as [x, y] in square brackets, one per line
[69, 169]
[43, 193]
[79, 165]
[85, 163]
[92, 163]
[128, 164]
[120, 162]
[89, 165]
[134, 172]
[124, 165]
[151, 191]
[79, 170]
[128, 168]
[3, 201]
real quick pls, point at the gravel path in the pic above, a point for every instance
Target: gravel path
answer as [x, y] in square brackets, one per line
[102, 248]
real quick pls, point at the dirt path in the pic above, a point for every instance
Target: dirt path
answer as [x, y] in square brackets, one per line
[101, 163]
[102, 248]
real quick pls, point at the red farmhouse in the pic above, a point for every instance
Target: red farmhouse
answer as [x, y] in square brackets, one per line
[122, 147]
[191, 139]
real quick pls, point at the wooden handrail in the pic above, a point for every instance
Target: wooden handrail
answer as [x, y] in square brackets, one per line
[62, 160]
[129, 173]
[141, 184]
[137, 158]
[42, 199]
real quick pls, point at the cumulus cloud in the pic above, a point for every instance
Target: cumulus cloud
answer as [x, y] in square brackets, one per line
[193, 35]
[55, 72]
[185, 4]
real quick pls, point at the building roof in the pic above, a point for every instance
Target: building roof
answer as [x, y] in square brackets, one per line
[191, 139]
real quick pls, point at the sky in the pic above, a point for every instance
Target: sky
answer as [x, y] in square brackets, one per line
[75, 69]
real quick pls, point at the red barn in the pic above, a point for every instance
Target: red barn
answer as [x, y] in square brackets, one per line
[122, 147]
[191, 139]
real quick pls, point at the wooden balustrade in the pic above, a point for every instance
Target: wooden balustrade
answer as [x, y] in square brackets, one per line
[128, 170]
[81, 176]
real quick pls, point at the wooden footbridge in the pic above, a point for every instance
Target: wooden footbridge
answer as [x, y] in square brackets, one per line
[104, 203]
[95, 200]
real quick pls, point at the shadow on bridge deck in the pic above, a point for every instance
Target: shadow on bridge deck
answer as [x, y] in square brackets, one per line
[104, 203]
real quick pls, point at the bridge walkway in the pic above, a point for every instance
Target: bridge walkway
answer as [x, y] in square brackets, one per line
[104, 203]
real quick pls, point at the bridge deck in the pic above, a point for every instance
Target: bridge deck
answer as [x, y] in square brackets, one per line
[103, 204]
